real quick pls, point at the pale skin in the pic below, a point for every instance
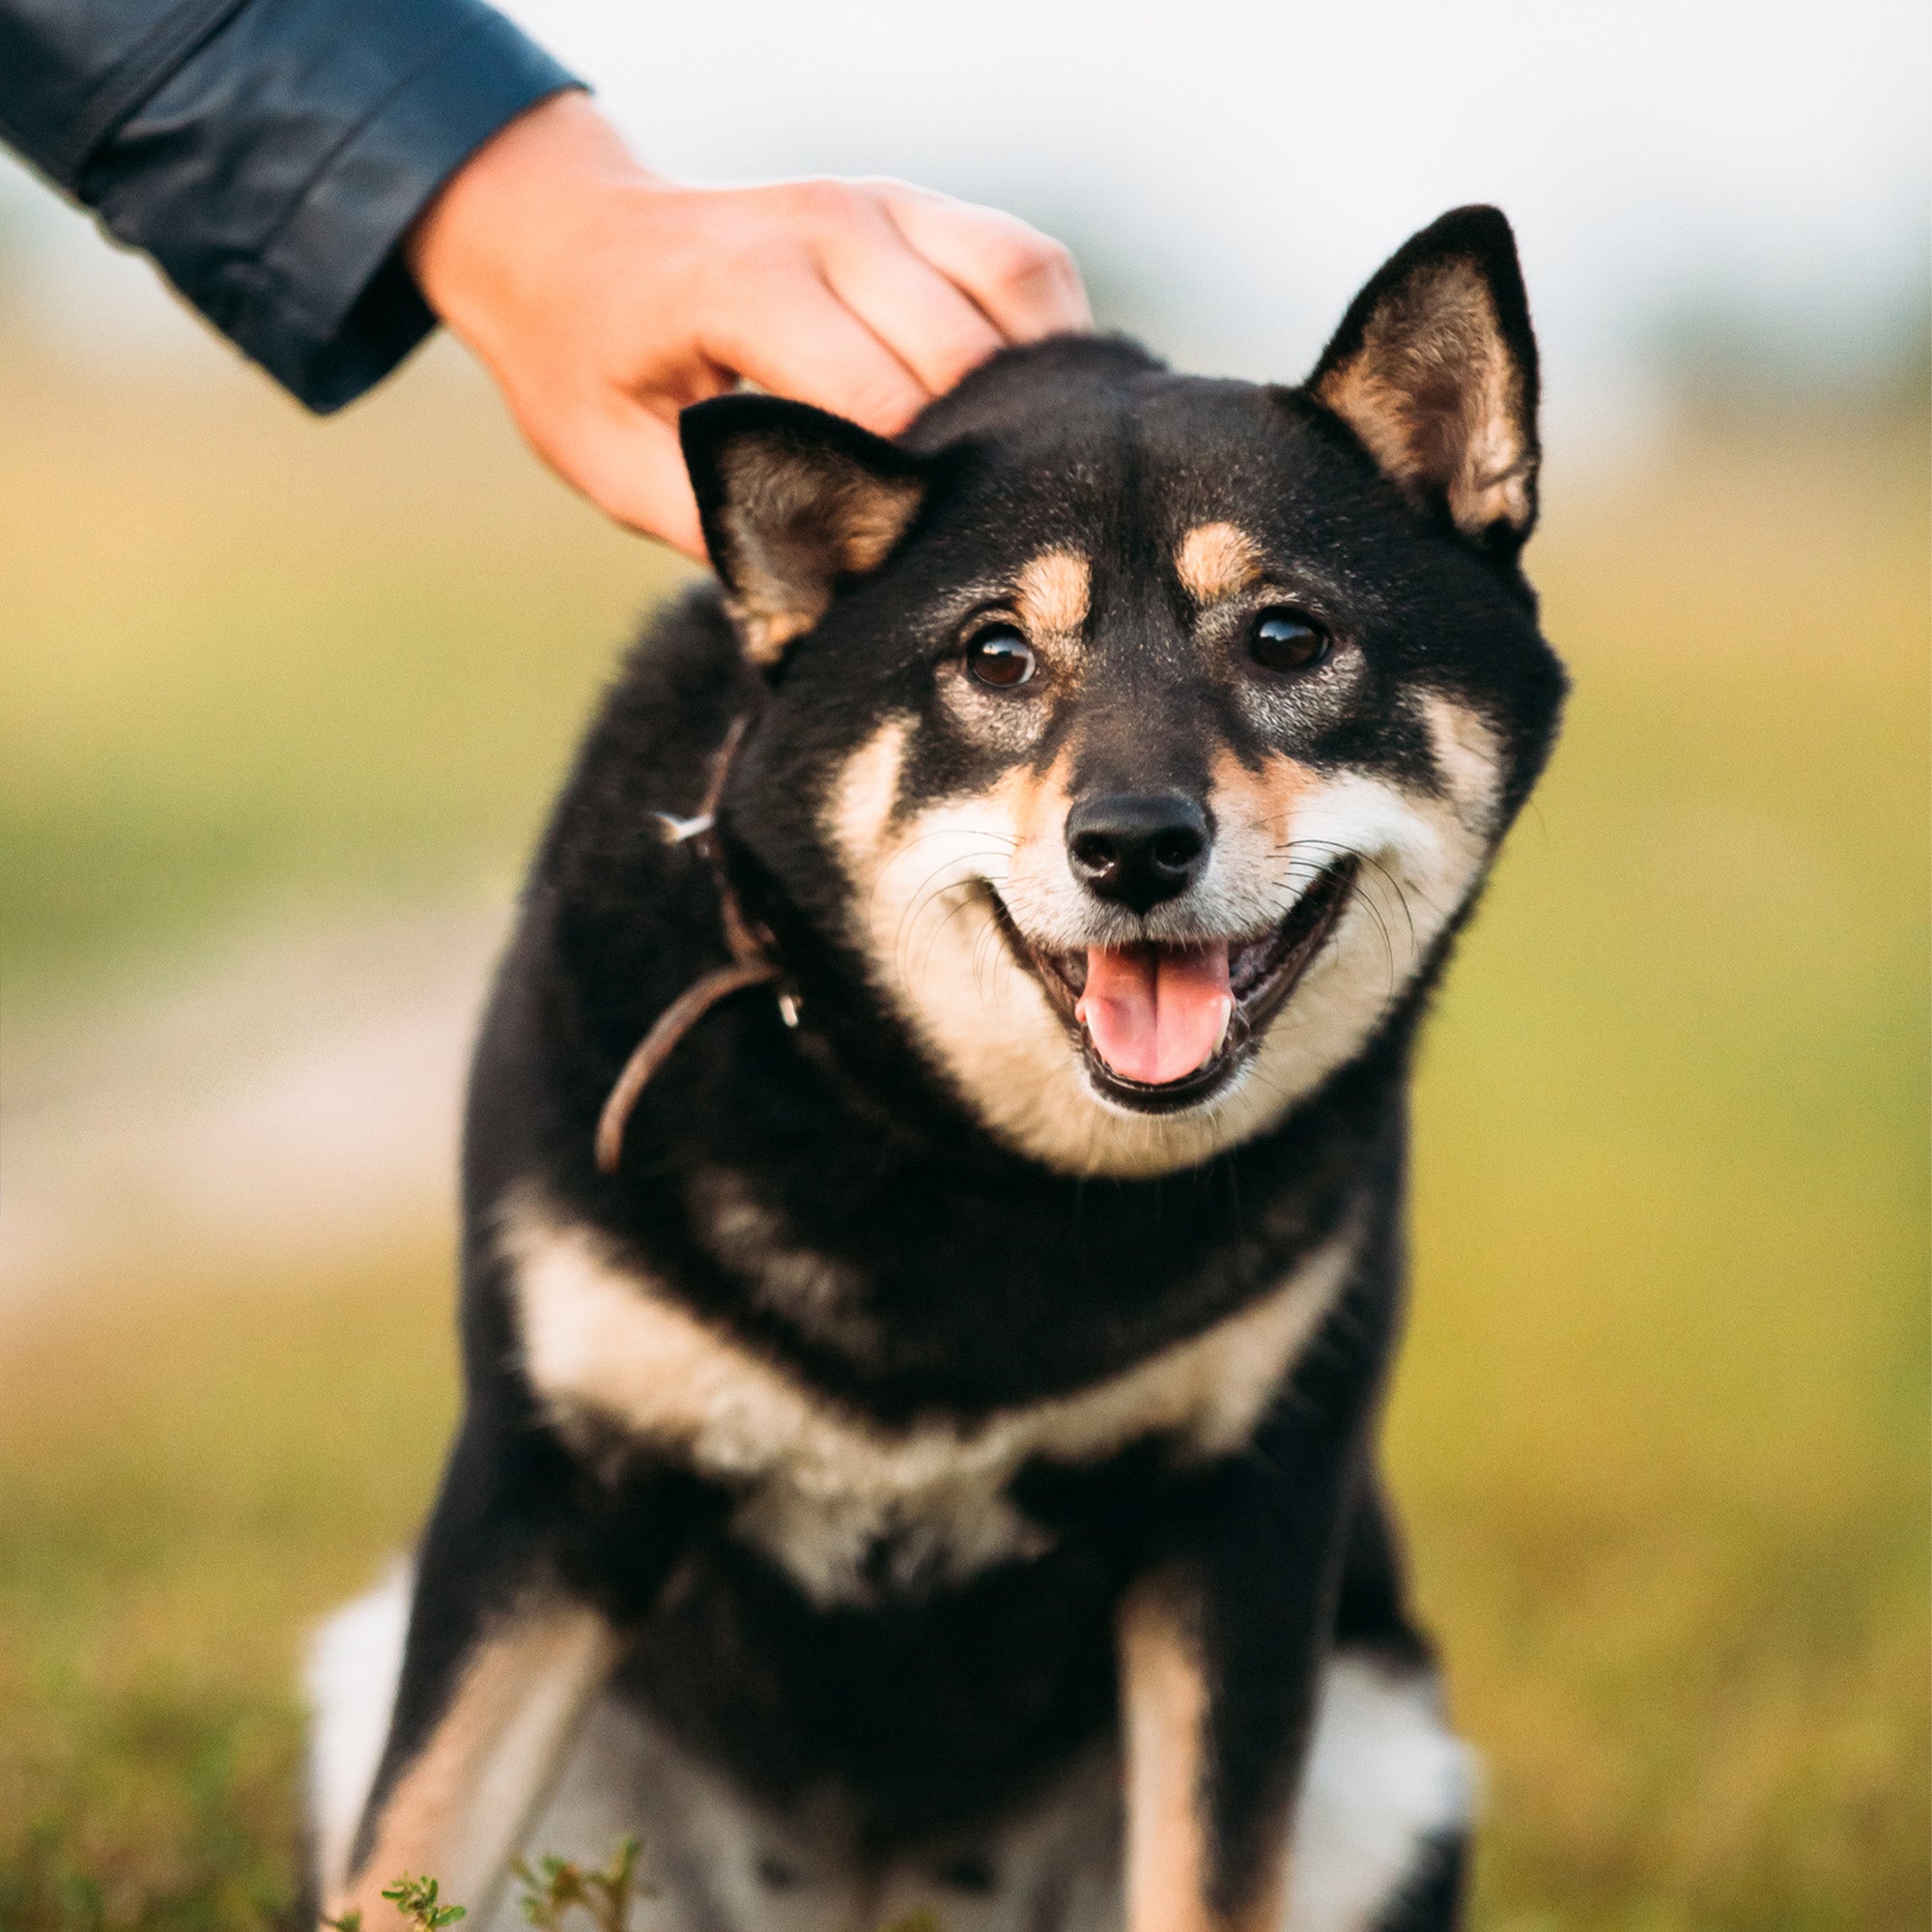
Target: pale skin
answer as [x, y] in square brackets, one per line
[603, 298]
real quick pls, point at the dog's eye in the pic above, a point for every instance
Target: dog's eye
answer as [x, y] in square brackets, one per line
[1286, 640]
[999, 656]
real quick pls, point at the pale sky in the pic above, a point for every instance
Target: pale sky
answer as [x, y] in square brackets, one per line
[1238, 169]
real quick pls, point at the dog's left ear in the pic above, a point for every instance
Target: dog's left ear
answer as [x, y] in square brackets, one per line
[793, 501]
[1433, 368]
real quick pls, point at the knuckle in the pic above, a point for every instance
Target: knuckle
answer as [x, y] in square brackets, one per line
[1022, 256]
[823, 200]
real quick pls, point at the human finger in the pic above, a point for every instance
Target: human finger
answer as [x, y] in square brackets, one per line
[630, 465]
[1026, 282]
[917, 312]
[795, 337]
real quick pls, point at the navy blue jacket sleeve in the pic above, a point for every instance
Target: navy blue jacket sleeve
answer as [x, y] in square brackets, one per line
[269, 154]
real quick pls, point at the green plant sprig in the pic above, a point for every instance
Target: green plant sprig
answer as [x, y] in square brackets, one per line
[553, 1891]
[416, 1899]
[554, 1888]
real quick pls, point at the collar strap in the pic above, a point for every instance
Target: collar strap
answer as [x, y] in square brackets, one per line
[752, 963]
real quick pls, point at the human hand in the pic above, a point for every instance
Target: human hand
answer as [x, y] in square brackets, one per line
[603, 299]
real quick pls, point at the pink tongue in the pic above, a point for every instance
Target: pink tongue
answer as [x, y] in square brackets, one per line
[1155, 1014]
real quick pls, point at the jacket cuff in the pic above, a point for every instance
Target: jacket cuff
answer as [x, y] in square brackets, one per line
[337, 308]
[274, 174]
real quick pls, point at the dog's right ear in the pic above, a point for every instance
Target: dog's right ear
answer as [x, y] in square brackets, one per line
[793, 501]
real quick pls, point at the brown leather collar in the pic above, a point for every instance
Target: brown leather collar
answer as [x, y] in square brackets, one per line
[751, 964]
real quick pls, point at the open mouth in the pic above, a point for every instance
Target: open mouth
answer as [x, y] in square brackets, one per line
[1163, 1026]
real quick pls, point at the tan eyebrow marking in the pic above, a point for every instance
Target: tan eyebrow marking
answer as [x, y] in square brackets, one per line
[1053, 592]
[1215, 560]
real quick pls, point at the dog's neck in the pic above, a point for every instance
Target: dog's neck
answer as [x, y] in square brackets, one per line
[839, 1171]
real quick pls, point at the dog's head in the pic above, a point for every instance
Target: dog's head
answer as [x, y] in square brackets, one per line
[1140, 738]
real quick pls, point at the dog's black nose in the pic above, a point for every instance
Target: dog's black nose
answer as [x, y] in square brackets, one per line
[1136, 848]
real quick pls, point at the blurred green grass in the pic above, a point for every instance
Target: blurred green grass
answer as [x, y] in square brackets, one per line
[254, 662]
[1660, 1428]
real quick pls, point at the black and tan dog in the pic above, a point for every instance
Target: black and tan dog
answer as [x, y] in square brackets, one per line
[928, 1458]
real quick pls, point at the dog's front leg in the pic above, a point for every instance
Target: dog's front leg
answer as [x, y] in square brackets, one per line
[1220, 1654]
[504, 1651]
[458, 1803]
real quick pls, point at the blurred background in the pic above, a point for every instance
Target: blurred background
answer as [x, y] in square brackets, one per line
[284, 702]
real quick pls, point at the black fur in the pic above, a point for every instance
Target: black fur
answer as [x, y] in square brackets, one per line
[985, 1280]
